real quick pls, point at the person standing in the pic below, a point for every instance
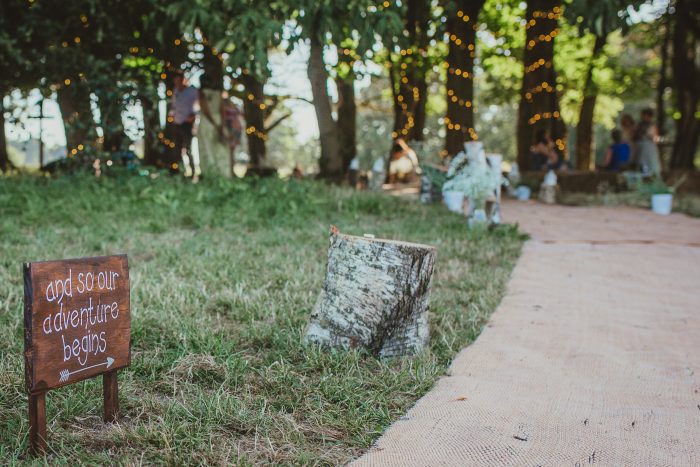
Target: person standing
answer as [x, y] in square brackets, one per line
[627, 126]
[232, 126]
[185, 103]
[646, 153]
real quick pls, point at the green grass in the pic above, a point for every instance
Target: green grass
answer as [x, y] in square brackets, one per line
[223, 277]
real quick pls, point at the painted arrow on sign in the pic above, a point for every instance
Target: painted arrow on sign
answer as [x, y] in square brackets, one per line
[65, 374]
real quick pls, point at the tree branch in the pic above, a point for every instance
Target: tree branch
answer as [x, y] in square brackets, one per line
[296, 98]
[277, 122]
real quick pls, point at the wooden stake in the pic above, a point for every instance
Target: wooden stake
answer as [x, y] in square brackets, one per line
[37, 423]
[111, 396]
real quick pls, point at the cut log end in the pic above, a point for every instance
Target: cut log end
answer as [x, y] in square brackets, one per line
[375, 296]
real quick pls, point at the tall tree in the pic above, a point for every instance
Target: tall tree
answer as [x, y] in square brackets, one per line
[539, 101]
[330, 21]
[331, 162]
[584, 128]
[347, 107]
[22, 47]
[663, 73]
[12, 21]
[74, 102]
[409, 69]
[686, 83]
[4, 156]
[259, 109]
[242, 32]
[599, 18]
[462, 17]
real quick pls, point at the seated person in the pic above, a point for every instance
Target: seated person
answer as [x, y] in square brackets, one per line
[618, 154]
[402, 163]
[542, 153]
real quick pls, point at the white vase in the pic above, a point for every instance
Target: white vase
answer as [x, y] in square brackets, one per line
[454, 200]
[662, 203]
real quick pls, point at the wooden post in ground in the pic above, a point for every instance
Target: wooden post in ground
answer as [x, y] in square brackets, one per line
[111, 396]
[37, 423]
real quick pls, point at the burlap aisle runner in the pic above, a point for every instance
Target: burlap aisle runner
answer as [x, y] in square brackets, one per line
[593, 357]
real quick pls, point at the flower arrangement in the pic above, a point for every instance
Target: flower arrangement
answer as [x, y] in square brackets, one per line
[470, 174]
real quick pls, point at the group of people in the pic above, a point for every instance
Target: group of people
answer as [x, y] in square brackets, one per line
[185, 104]
[543, 155]
[634, 144]
[634, 147]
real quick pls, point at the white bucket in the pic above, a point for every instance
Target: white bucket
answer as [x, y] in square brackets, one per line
[662, 203]
[454, 200]
[523, 193]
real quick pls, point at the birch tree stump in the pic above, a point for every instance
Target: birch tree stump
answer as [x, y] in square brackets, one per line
[375, 296]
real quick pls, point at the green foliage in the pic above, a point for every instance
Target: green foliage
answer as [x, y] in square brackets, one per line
[654, 187]
[657, 186]
[625, 71]
[124, 49]
[363, 21]
[500, 47]
[244, 29]
[223, 277]
[601, 17]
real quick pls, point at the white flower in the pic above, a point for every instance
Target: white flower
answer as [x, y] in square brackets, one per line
[476, 179]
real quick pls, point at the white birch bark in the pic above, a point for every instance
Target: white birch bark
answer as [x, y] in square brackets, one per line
[375, 296]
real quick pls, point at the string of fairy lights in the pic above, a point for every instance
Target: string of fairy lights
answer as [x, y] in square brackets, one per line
[408, 53]
[415, 95]
[544, 87]
[469, 48]
[251, 130]
[134, 50]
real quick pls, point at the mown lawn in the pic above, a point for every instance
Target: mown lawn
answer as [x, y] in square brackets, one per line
[223, 277]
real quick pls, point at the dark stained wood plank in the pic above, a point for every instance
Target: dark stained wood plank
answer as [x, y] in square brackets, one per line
[111, 396]
[37, 423]
[77, 320]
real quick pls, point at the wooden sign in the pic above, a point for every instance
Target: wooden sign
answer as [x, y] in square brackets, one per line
[77, 325]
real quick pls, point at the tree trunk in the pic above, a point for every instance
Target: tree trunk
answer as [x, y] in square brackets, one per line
[686, 84]
[375, 296]
[4, 156]
[152, 149]
[255, 119]
[78, 121]
[347, 119]
[416, 133]
[331, 163]
[584, 129]
[109, 101]
[172, 155]
[459, 121]
[663, 77]
[411, 87]
[539, 105]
